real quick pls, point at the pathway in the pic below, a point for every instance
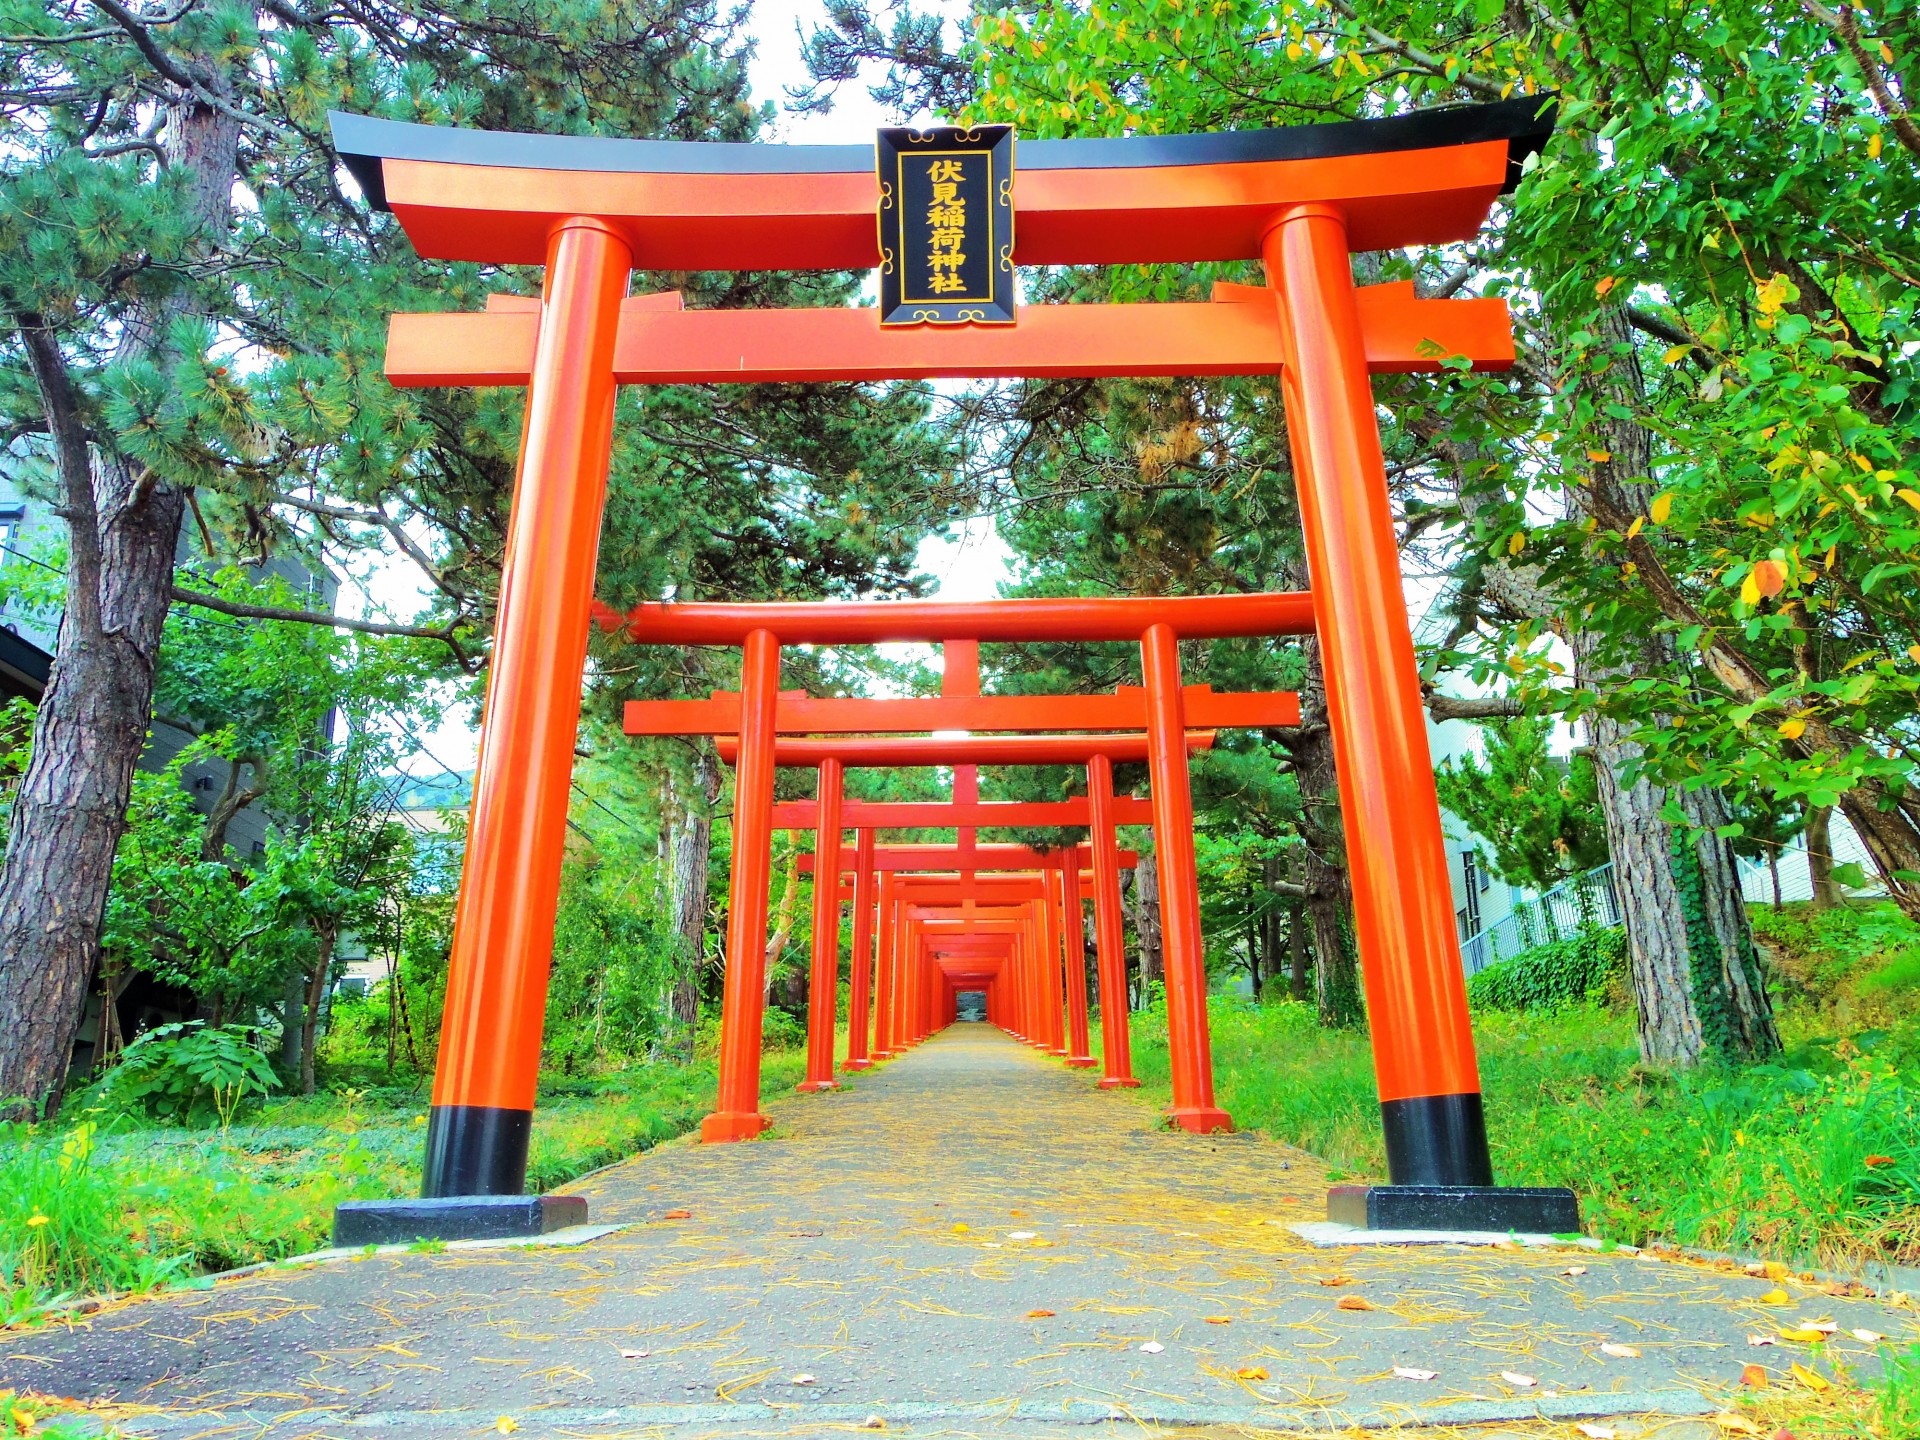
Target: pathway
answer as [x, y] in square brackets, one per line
[970, 1240]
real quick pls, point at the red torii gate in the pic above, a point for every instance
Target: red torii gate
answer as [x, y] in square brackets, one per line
[1302, 199]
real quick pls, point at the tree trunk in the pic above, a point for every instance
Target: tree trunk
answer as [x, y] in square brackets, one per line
[232, 800]
[1826, 894]
[783, 929]
[1329, 903]
[123, 524]
[316, 995]
[290, 1003]
[1146, 920]
[1297, 944]
[692, 842]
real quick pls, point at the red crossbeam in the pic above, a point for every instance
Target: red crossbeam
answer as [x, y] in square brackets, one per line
[660, 344]
[926, 750]
[875, 622]
[1125, 709]
[942, 815]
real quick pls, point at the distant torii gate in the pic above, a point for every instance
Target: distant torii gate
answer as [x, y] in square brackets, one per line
[1302, 199]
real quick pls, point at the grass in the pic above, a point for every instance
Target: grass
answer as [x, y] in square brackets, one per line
[109, 1203]
[1814, 1157]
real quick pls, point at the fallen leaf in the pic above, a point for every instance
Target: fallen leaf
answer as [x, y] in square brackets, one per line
[1803, 1337]
[1874, 1162]
[1774, 1270]
[802, 1380]
[633, 1354]
[1807, 1378]
[1408, 1372]
[1039, 1314]
[1776, 1297]
[1574, 1270]
[1337, 1280]
[1250, 1372]
[1021, 1235]
[506, 1424]
[1219, 1319]
[961, 1229]
[679, 1215]
[1870, 1337]
[1623, 1352]
[1824, 1327]
[1514, 1377]
[1354, 1302]
[1595, 1432]
[1761, 1340]
[1754, 1377]
[1153, 1347]
[873, 1422]
[1736, 1424]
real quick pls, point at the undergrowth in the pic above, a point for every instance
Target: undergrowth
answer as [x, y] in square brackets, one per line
[1812, 1157]
[111, 1202]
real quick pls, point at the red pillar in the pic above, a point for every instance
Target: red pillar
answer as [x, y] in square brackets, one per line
[1056, 1036]
[859, 991]
[1429, 1079]
[1109, 936]
[885, 1030]
[823, 975]
[743, 1006]
[483, 1089]
[1074, 936]
[1189, 1050]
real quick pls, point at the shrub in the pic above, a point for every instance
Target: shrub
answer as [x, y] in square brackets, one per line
[181, 1071]
[1546, 977]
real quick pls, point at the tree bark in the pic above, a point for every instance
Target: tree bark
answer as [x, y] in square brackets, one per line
[1329, 887]
[1826, 894]
[1146, 920]
[692, 843]
[1297, 945]
[232, 800]
[123, 524]
[316, 995]
[1696, 974]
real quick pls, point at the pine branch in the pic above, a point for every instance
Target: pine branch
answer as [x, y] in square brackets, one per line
[442, 633]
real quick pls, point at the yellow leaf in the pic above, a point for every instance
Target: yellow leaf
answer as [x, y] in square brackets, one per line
[1792, 730]
[1873, 147]
[1913, 653]
[506, 1424]
[1622, 1352]
[1750, 589]
[1661, 508]
[1771, 295]
[1802, 1337]
[1599, 457]
[34, 1220]
[1600, 290]
[1827, 563]
[1737, 1424]
[1754, 1377]
[1251, 1372]
[1886, 52]
[1354, 1302]
[1039, 1314]
[961, 1229]
[1634, 528]
[1807, 1378]
[1674, 354]
[1219, 1319]
[1776, 1297]
[1912, 497]
[1517, 543]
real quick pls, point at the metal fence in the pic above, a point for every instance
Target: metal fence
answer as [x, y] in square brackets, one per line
[1584, 902]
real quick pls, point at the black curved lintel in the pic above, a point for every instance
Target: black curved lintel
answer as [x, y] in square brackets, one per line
[363, 142]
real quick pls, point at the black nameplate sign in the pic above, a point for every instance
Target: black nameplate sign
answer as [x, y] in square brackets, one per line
[946, 225]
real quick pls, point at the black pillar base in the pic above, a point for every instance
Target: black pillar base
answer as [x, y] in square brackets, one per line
[475, 1150]
[454, 1217]
[1437, 1140]
[1527, 1209]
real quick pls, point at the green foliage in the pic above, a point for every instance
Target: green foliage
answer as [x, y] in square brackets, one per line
[1542, 816]
[127, 1207]
[1897, 1392]
[1574, 971]
[1772, 1159]
[178, 1072]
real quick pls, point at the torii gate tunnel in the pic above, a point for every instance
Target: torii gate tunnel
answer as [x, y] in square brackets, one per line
[1301, 199]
